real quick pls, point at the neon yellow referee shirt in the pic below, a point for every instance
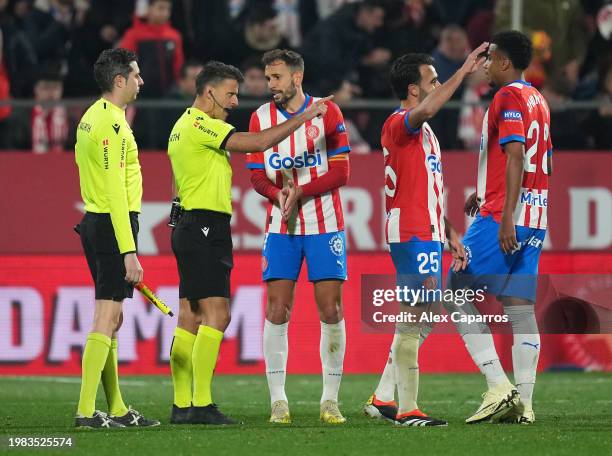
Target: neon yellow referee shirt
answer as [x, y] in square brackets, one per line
[201, 166]
[109, 170]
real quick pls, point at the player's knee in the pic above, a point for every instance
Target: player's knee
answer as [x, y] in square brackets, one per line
[219, 321]
[189, 321]
[330, 313]
[107, 321]
[278, 315]
[225, 321]
[278, 310]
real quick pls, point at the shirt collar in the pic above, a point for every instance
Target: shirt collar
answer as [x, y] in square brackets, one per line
[289, 115]
[109, 105]
[520, 81]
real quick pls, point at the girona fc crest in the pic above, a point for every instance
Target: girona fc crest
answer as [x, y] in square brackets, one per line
[312, 132]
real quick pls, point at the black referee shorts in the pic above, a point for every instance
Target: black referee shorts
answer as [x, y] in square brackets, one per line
[102, 252]
[202, 245]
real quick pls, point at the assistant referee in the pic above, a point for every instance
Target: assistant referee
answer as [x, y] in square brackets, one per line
[202, 242]
[111, 188]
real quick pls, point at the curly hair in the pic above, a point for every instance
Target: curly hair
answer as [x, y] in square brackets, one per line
[516, 45]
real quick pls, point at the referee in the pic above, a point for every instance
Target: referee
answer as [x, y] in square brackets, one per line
[111, 187]
[201, 241]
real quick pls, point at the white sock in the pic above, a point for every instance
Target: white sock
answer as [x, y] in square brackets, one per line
[479, 343]
[405, 360]
[385, 391]
[276, 349]
[526, 349]
[482, 350]
[332, 348]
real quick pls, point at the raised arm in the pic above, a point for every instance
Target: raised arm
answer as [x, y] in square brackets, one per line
[436, 99]
[263, 140]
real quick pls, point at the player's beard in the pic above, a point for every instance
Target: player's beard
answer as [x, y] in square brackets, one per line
[286, 95]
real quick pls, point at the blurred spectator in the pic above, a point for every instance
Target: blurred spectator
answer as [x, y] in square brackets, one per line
[260, 33]
[289, 21]
[472, 114]
[479, 25]
[598, 125]
[5, 111]
[111, 18]
[49, 27]
[326, 8]
[100, 28]
[599, 50]
[410, 26]
[159, 47]
[542, 54]
[184, 90]
[185, 87]
[339, 46]
[343, 93]
[451, 52]
[38, 36]
[45, 127]
[203, 25]
[49, 123]
[255, 84]
[448, 58]
[562, 20]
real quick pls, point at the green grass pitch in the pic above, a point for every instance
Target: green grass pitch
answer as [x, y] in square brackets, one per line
[573, 413]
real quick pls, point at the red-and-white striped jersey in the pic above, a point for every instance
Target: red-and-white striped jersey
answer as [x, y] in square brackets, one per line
[414, 187]
[518, 112]
[303, 156]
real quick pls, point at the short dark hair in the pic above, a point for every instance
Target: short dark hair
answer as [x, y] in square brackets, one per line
[406, 70]
[110, 63]
[291, 58]
[516, 45]
[215, 72]
[191, 63]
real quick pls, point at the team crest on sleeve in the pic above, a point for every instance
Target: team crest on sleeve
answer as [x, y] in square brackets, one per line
[312, 132]
[336, 245]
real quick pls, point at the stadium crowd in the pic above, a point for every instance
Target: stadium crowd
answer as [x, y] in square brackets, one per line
[48, 47]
